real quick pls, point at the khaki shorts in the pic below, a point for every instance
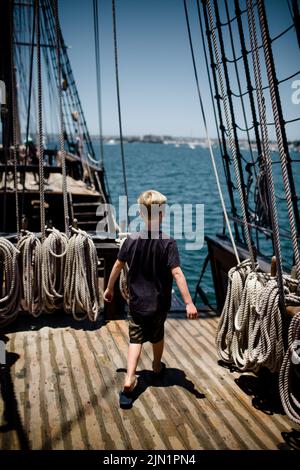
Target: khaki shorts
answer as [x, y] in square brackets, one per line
[146, 328]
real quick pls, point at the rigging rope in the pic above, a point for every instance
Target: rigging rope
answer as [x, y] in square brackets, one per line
[28, 108]
[283, 156]
[231, 141]
[30, 257]
[118, 99]
[207, 136]
[14, 125]
[225, 155]
[9, 282]
[40, 123]
[81, 294]
[266, 147]
[250, 328]
[287, 179]
[288, 386]
[61, 120]
[98, 74]
[240, 88]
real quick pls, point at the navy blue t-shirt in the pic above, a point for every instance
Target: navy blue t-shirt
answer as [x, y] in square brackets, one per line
[149, 279]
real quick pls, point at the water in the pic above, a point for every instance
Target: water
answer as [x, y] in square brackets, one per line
[184, 175]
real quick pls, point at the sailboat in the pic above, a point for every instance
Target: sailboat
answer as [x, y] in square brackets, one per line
[18, 40]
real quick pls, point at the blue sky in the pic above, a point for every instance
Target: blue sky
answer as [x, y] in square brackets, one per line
[158, 93]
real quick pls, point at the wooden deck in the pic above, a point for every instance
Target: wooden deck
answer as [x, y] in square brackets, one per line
[60, 391]
[53, 184]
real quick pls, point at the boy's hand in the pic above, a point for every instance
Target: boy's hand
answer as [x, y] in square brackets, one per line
[191, 311]
[108, 295]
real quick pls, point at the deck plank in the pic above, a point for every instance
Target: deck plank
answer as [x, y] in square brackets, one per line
[60, 391]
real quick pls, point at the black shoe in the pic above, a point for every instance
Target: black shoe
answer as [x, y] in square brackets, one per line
[126, 396]
[125, 399]
[162, 370]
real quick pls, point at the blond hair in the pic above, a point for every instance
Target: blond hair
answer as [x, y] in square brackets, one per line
[151, 198]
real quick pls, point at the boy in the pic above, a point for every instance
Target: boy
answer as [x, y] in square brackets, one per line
[153, 261]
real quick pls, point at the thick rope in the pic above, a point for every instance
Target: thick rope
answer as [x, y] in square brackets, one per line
[98, 74]
[257, 338]
[288, 382]
[265, 145]
[54, 249]
[240, 89]
[250, 328]
[236, 281]
[28, 108]
[281, 147]
[30, 257]
[9, 282]
[14, 112]
[118, 98]
[81, 294]
[61, 121]
[212, 156]
[225, 157]
[40, 122]
[231, 139]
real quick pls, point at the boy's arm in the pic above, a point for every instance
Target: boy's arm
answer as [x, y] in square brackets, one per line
[109, 292]
[191, 310]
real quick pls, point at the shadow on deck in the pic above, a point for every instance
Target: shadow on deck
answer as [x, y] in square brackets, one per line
[171, 377]
[11, 419]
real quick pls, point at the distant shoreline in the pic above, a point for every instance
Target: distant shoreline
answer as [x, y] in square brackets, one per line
[192, 142]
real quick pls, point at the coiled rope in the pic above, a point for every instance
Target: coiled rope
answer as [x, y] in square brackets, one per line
[9, 282]
[30, 264]
[236, 282]
[288, 388]
[250, 328]
[257, 338]
[54, 249]
[81, 294]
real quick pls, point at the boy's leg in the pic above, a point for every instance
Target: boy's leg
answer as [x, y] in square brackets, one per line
[134, 353]
[157, 354]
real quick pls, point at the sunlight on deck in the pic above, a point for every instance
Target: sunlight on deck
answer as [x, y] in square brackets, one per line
[60, 391]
